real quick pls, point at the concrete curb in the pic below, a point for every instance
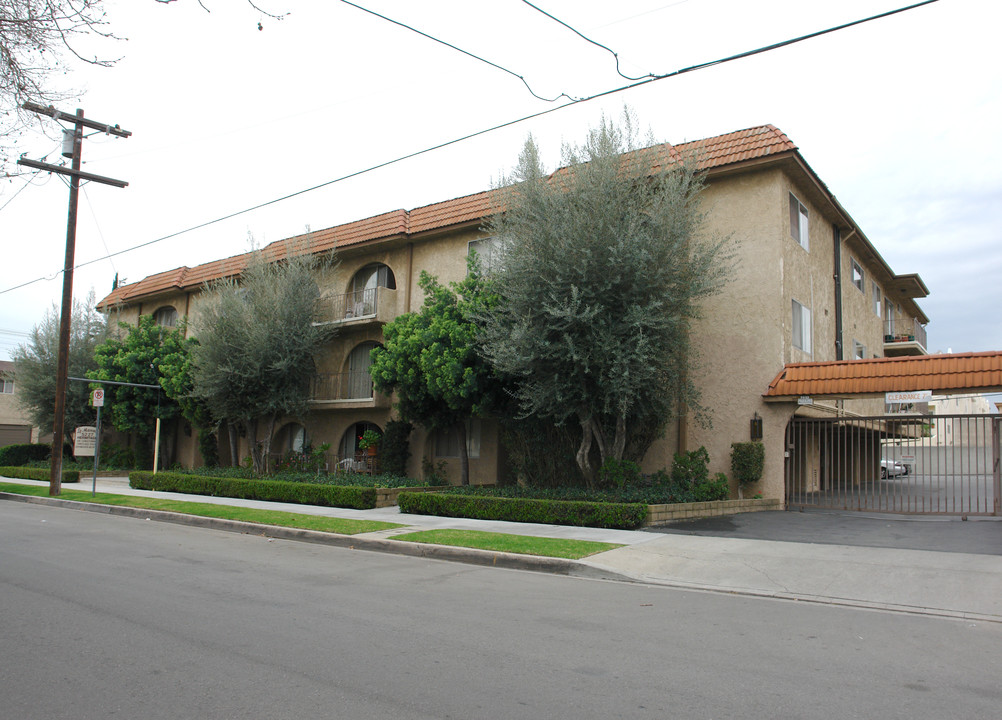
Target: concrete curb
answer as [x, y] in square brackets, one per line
[557, 566]
[472, 556]
[816, 599]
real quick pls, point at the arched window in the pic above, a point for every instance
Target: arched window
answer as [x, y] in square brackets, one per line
[362, 298]
[291, 437]
[359, 381]
[165, 316]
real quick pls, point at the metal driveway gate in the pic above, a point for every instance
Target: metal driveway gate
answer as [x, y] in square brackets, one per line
[931, 464]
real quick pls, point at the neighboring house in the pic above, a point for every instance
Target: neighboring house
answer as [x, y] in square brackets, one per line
[15, 428]
[809, 286]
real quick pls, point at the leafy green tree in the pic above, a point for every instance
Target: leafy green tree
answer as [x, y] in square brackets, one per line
[178, 382]
[604, 265]
[431, 360]
[254, 360]
[137, 358]
[35, 366]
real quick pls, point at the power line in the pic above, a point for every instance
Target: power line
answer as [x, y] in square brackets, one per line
[459, 49]
[26, 184]
[478, 133]
[588, 39]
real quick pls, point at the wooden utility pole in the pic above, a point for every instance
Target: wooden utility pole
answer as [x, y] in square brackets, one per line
[79, 123]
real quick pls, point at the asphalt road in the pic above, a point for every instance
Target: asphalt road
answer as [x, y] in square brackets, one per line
[107, 617]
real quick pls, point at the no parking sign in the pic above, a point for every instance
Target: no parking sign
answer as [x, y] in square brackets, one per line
[97, 398]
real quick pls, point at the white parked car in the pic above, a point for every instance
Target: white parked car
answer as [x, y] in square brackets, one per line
[892, 468]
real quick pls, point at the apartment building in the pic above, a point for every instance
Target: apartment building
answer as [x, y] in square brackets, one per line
[809, 286]
[15, 427]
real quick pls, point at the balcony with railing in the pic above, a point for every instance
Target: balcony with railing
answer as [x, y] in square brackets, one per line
[361, 307]
[350, 389]
[904, 336]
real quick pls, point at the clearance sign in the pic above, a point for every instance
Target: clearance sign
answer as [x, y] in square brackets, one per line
[911, 396]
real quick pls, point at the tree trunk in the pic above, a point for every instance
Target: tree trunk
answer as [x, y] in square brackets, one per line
[266, 443]
[234, 444]
[584, 452]
[255, 451]
[464, 454]
[619, 441]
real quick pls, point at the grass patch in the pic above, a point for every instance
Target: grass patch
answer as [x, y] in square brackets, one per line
[342, 526]
[503, 542]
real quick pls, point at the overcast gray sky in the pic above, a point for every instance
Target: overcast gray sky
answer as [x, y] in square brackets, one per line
[898, 117]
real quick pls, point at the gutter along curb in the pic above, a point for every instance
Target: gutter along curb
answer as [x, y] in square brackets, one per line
[472, 556]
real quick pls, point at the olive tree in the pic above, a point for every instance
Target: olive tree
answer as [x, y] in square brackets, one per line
[605, 262]
[35, 364]
[254, 359]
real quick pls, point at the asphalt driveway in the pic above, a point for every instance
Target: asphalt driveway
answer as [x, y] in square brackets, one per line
[908, 532]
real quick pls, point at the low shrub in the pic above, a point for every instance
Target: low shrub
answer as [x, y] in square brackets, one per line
[716, 489]
[360, 498]
[24, 453]
[337, 478]
[619, 474]
[29, 473]
[655, 489]
[553, 512]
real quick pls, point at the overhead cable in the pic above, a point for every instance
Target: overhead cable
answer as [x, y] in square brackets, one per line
[465, 52]
[588, 39]
[478, 133]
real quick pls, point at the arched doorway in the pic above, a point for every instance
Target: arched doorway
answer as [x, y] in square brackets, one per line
[351, 456]
[364, 289]
[359, 381]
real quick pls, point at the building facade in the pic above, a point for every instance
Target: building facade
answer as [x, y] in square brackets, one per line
[15, 427]
[808, 287]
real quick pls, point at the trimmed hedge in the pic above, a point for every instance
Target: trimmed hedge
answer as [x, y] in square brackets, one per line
[551, 512]
[23, 454]
[360, 498]
[29, 473]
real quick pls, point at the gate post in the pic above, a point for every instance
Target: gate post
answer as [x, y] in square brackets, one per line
[996, 466]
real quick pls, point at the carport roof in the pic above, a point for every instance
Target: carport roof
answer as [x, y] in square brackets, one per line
[942, 374]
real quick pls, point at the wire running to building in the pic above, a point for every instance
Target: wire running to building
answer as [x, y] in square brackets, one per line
[465, 52]
[588, 39]
[478, 133]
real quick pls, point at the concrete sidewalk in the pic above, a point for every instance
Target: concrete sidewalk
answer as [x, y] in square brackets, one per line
[901, 579]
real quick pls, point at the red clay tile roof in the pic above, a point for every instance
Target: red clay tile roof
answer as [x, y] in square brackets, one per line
[960, 372]
[716, 152]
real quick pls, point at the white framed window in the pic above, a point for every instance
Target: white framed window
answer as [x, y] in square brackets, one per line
[490, 252]
[888, 317]
[858, 279]
[801, 327]
[6, 387]
[798, 222]
[876, 299]
[447, 441]
[858, 350]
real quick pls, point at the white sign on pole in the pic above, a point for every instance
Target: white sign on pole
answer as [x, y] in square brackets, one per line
[911, 396]
[97, 398]
[84, 441]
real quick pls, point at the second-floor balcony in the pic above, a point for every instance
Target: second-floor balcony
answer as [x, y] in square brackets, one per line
[904, 336]
[329, 387]
[371, 305]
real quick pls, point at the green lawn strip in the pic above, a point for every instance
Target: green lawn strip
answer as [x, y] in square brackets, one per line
[503, 542]
[342, 526]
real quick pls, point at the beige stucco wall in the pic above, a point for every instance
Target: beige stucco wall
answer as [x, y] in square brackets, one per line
[742, 340]
[11, 413]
